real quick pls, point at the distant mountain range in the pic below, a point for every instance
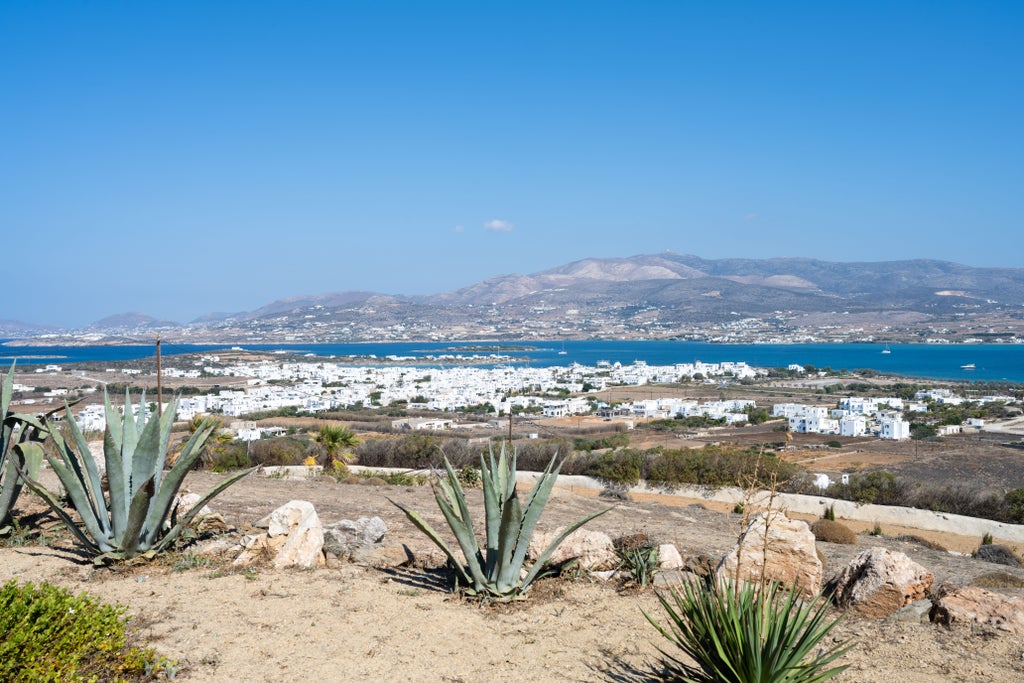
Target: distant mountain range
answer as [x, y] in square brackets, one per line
[655, 296]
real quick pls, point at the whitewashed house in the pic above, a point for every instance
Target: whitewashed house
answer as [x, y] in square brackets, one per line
[893, 427]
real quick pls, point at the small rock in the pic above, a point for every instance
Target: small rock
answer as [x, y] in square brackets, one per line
[700, 565]
[878, 582]
[955, 604]
[382, 556]
[593, 549]
[914, 613]
[671, 578]
[344, 537]
[669, 557]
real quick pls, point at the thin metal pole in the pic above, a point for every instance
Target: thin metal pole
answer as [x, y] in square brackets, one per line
[159, 382]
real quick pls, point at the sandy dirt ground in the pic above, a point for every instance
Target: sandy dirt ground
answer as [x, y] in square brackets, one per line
[349, 622]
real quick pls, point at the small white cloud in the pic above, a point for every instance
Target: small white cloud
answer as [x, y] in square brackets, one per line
[499, 226]
[458, 228]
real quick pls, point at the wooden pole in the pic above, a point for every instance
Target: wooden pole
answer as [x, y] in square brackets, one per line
[159, 382]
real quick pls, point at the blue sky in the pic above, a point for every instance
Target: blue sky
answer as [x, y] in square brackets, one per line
[178, 158]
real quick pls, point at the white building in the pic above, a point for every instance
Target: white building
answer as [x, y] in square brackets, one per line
[853, 425]
[893, 427]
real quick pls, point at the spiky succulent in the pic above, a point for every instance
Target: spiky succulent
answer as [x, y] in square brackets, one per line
[138, 514]
[19, 448]
[497, 571]
[747, 634]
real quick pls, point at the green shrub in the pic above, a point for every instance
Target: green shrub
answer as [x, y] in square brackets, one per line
[747, 635]
[282, 450]
[394, 478]
[469, 477]
[830, 513]
[830, 531]
[228, 457]
[620, 467]
[986, 539]
[47, 634]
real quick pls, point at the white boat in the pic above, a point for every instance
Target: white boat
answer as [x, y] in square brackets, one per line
[886, 349]
[563, 351]
[969, 366]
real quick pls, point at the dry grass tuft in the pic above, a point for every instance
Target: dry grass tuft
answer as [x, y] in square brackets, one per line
[997, 580]
[828, 531]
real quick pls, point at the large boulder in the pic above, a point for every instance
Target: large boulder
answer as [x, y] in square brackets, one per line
[879, 582]
[775, 548]
[954, 604]
[294, 538]
[593, 550]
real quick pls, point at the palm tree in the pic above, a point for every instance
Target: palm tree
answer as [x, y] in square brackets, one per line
[336, 441]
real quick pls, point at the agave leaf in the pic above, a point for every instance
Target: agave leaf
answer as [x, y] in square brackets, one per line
[94, 484]
[187, 518]
[428, 530]
[534, 507]
[511, 520]
[166, 425]
[466, 537]
[448, 492]
[543, 558]
[7, 390]
[51, 500]
[140, 415]
[492, 513]
[458, 497]
[129, 439]
[117, 483]
[173, 480]
[128, 543]
[32, 455]
[96, 504]
[147, 450]
[80, 500]
[538, 490]
[12, 482]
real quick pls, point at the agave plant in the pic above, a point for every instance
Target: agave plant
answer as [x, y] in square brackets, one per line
[137, 516]
[19, 448]
[497, 571]
[752, 634]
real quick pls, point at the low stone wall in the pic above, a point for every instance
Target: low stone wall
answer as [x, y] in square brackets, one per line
[801, 504]
[816, 505]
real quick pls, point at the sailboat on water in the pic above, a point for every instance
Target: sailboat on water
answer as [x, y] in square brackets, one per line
[886, 349]
[563, 351]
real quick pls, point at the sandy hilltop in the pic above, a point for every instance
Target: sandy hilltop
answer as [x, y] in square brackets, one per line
[395, 619]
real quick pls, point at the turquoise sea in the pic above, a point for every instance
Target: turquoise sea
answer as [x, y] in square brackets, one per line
[992, 362]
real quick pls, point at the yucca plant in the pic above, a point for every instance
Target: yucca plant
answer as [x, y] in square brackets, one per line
[19, 448]
[752, 634]
[497, 571]
[137, 516]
